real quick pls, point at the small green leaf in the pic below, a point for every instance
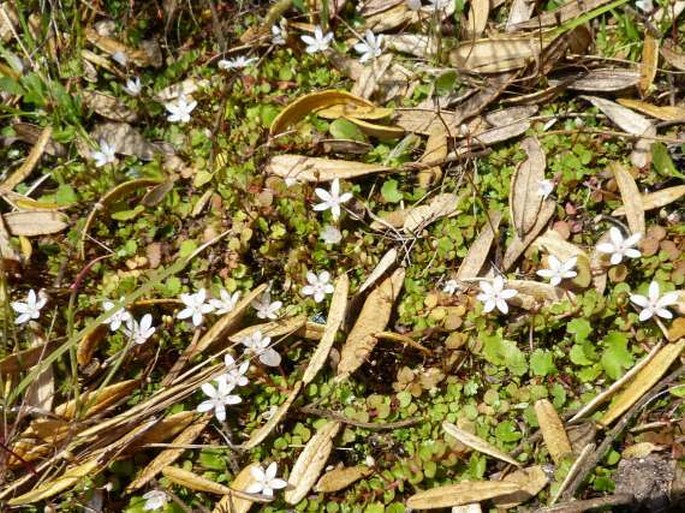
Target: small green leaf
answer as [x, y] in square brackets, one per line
[446, 83]
[499, 351]
[187, 248]
[616, 356]
[662, 161]
[542, 363]
[390, 192]
[579, 328]
[344, 129]
[127, 215]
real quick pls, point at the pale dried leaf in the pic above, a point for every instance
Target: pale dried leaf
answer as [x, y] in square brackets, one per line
[541, 292]
[389, 19]
[640, 450]
[186, 88]
[519, 245]
[478, 251]
[310, 462]
[234, 504]
[525, 200]
[625, 119]
[553, 432]
[650, 60]
[111, 46]
[341, 477]
[477, 444]
[511, 115]
[641, 156]
[554, 244]
[315, 169]
[499, 53]
[93, 402]
[657, 199]
[477, 18]
[520, 11]
[531, 480]
[126, 139]
[41, 391]
[662, 113]
[108, 106]
[192, 481]
[435, 151]
[569, 11]
[499, 134]
[260, 434]
[272, 329]
[673, 55]
[372, 319]
[31, 223]
[466, 492]
[441, 205]
[426, 121]
[598, 80]
[629, 193]
[371, 76]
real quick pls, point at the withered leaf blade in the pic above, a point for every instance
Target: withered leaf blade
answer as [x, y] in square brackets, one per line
[273, 329]
[477, 444]
[382, 132]
[478, 252]
[234, 504]
[625, 119]
[511, 115]
[519, 245]
[435, 151]
[368, 81]
[500, 133]
[553, 432]
[629, 194]
[442, 205]
[186, 88]
[477, 18]
[531, 480]
[261, 433]
[25, 170]
[385, 263]
[32, 223]
[126, 139]
[657, 199]
[372, 319]
[660, 112]
[498, 54]
[525, 200]
[96, 401]
[341, 477]
[644, 381]
[315, 169]
[108, 106]
[336, 315]
[198, 483]
[650, 59]
[558, 16]
[598, 81]
[310, 462]
[466, 492]
[673, 55]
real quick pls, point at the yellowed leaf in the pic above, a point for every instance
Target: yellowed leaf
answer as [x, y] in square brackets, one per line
[525, 200]
[372, 319]
[478, 251]
[32, 223]
[657, 199]
[371, 76]
[336, 315]
[531, 480]
[435, 151]
[477, 444]
[662, 113]
[194, 482]
[644, 381]
[311, 462]
[553, 432]
[260, 434]
[139, 57]
[519, 245]
[341, 477]
[629, 193]
[459, 494]
[640, 450]
[42, 142]
[316, 169]
[168, 456]
[91, 403]
[382, 132]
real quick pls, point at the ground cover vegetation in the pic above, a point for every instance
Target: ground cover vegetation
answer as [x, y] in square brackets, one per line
[342, 256]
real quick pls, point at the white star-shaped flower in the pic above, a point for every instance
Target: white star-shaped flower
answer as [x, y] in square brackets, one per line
[620, 247]
[196, 307]
[450, 287]
[155, 499]
[645, 6]
[559, 270]
[655, 304]
[494, 295]
[105, 155]
[121, 316]
[31, 308]
[331, 234]
[219, 397]
[370, 47]
[179, 111]
[331, 200]
[239, 62]
[318, 286]
[545, 188]
[259, 345]
[226, 303]
[266, 309]
[235, 374]
[133, 86]
[139, 332]
[279, 33]
[318, 43]
[265, 482]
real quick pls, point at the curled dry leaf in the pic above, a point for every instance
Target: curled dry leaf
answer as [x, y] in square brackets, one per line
[466, 492]
[32, 223]
[531, 480]
[525, 200]
[441, 205]
[260, 434]
[629, 193]
[235, 504]
[23, 172]
[657, 199]
[541, 293]
[644, 381]
[553, 432]
[372, 319]
[477, 444]
[625, 119]
[310, 462]
[382, 132]
[478, 252]
[418, 45]
[194, 482]
[341, 477]
[316, 169]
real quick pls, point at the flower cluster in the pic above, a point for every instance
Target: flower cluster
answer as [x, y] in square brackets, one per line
[198, 305]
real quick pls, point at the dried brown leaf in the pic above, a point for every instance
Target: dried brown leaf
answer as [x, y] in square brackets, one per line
[553, 432]
[673, 55]
[341, 477]
[650, 60]
[29, 164]
[477, 444]
[382, 132]
[194, 482]
[625, 119]
[629, 193]
[108, 106]
[315, 169]
[525, 200]
[499, 53]
[569, 11]
[662, 113]
[598, 80]
[234, 504]
[511, 115]
[91, 403]
[519, 245]
[385, 263]
[657, 199]
[478, 251]
[32, 223]
[441, 205]
[531, 480]
[435, 151]
[466, 492]
[477, 18]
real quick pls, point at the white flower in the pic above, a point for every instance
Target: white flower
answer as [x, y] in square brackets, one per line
[31, 308]
[235, 374]
[450, 287]
[413, 5]
[620, 247]
[180, 109]
[139, 332]
[120, 58]
[655, 304]
[545, 188]
[318, 43]
[258, 345]
[332, 200]
[645, 6]
[195, 307]
[105, 155]
[121, 316]
[495, 295]
[279, 33]
[155, 499]
[369, 47]
[133, 87]
[239, 62]
[265, 482]
[558, 270]
[266, 309]
[219, 397]
[330, 234]
[318, 286]
[226, 303]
